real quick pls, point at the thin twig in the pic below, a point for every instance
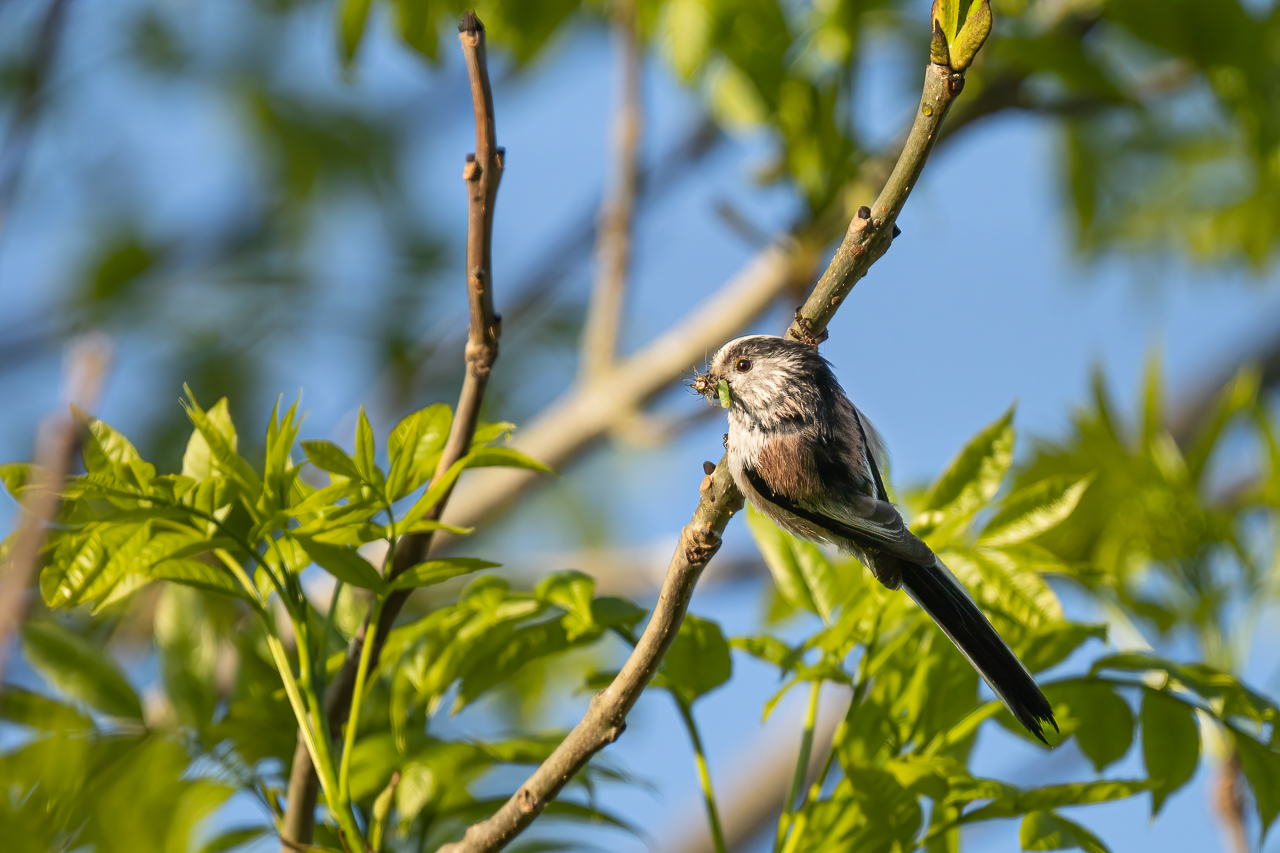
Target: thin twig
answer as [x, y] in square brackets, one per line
[56, 444]
[482, 173]
[613, 242]
[867, 238]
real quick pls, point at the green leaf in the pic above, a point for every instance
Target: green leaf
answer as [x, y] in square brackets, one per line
[525, 644]
[486, 433]
[613, 612]
[222, 450]
[365, 450]
[1033, 510]
[233, 838]
[1261, 766]
[21, 706]
[480, 457]
[188, 650]
[200, 575]
[569, 590]
[345, 564]
[698, 660]
[352, 15]
[438, 571]
[1057, 796]
[972, 478]
[328, 456]
[1239, 395]
[15, 476]
[1101, 721]
[1050, 644]
[79, 668]
[1045, 830]
[107, 445]
[505, 457]
[972, 35]
[94, 564]
[1170, 744]
[779, 555]
[198, 462]
[414, 449]
[766, 648]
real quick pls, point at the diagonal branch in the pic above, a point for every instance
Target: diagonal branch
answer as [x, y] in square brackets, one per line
[613, 243]
[867, 238]
[482, 173]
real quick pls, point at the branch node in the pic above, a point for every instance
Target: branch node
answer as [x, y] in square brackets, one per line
[864, 212]
[708, 467]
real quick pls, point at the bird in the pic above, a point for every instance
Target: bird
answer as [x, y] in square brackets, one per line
[810, 461]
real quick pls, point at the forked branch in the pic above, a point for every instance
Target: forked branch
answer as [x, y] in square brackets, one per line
[866, 240]
[482, 173]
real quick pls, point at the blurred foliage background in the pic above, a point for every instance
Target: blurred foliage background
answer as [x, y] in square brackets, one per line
[252, 196]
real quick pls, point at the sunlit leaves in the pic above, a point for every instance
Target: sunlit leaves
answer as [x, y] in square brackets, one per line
[971, 480]
[1100, 719]
[345, 564]
[698, 660]
[414, 448]
[437, 571]
[1047, 830]
[1170, 744]
[39, 712]
[80, 669]
[328, 456]
[803, 574]
[1261, 766]
[1033, 510]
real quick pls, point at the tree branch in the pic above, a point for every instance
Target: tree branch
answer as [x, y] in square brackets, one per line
[867, 238]
[613, 243]
[57, 440]
[482, 173]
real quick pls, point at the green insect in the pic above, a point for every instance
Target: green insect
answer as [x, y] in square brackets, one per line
[723, 389]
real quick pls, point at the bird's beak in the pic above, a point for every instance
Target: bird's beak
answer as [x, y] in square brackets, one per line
[712, 387]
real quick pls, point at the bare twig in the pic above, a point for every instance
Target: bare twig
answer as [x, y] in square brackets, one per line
[613, 243]
[56, 444]
[482, 173]
[867, 238]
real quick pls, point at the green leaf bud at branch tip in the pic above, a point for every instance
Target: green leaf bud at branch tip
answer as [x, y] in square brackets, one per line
[938, 52]
[972, 36]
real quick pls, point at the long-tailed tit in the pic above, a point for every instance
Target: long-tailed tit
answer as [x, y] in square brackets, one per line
[810, 461]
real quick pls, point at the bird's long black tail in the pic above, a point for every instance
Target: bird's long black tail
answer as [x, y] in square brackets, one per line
[944, 598]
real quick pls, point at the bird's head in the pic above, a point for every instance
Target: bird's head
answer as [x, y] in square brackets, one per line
[767, 379]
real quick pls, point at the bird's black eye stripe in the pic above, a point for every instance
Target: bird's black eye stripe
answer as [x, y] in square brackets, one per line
[743, 365]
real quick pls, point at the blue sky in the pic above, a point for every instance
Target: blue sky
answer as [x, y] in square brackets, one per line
[979, 304]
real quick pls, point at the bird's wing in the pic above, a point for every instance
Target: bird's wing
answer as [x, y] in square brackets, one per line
[864, 520]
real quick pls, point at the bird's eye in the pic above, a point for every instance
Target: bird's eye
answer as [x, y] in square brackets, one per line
[743, 365]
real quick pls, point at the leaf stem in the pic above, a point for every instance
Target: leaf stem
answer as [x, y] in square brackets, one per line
[349, 741]
[802, 765]
[704, 775]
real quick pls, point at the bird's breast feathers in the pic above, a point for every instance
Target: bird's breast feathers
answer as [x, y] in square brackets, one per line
[782, 460]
